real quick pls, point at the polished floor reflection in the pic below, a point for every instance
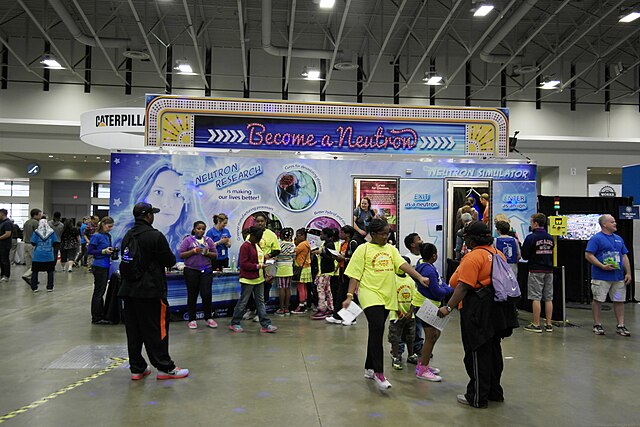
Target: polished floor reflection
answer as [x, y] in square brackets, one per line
[309, 373]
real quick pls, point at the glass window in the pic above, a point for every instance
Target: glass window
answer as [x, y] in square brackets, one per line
[14, 188]
[101, 190]
[5, 188]
[19, 212]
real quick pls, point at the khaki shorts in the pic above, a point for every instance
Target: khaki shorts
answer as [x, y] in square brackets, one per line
[540, 287]
[617, 290]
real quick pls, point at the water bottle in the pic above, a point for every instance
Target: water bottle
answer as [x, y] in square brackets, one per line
[233, 263]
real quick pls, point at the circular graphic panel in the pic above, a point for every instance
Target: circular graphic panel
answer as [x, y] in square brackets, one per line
[296, 190]
[321, 222]
[273, 222]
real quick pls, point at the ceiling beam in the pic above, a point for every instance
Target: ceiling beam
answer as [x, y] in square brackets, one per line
[243, 47]
[146, 42]
[292, 21]
[5, 42]
[335, 49]
[194, 39]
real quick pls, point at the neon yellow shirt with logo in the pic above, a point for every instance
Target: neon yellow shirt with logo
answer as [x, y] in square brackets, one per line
[405, 288]
[375, 267]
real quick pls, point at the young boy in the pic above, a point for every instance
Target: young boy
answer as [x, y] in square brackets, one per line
[508, 245]
[402, 323]
[412, 243]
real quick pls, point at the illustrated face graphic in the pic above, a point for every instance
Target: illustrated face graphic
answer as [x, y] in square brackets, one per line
[166, 194]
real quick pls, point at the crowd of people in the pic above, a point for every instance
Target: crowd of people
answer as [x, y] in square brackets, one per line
[353, 264]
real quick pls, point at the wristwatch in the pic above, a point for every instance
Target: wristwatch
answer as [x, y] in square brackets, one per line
[449, 309]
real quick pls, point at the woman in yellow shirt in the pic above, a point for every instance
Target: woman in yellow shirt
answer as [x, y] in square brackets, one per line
[372, 269]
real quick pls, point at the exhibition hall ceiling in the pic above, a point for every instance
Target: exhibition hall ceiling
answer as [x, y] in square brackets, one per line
[260, 48]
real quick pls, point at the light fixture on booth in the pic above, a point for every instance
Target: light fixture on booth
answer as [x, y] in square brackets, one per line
[311, 73]
[629, 15]
[51, 62]
[550, 83]
[481, 8]
[432, 78]
[327, 4]
[183, 67]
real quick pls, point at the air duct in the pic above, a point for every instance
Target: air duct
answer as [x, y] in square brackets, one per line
[77, 33]
[283, 51]
[513, 20]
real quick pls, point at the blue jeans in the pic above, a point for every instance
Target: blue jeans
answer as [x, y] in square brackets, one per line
[258, 296]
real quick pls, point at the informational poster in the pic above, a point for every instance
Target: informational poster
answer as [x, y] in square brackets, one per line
[517, 200]
[383, 194]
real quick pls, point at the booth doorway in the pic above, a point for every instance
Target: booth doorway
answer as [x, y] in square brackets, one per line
[457, 194]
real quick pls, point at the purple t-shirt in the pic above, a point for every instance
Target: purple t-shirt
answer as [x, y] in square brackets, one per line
[197, 261]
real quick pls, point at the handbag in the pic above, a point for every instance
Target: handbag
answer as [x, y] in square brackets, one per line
[297, 271]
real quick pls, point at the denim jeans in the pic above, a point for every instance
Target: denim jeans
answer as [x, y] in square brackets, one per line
[100, 279]
[258, 295]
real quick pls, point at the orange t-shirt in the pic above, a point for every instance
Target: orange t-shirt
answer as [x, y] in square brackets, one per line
[303, 254]
[475, 268]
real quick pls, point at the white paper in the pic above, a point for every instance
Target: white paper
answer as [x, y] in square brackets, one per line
[350, 313]
[270, 261]
[429, 313]
[333, 252]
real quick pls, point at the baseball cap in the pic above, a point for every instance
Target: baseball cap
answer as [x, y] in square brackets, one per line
[477, 228]
[143, 208]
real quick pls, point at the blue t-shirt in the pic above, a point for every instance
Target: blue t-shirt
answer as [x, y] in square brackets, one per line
[509, 247]
[82, 227]
[216, 235]
[43, 251]
[98, 242]
[608, 249]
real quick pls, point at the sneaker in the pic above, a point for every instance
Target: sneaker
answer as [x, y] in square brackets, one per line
[236, 328]
[175, 374]
[345, 323]
[49, 290]
[70, 270]
[212, 323]
[424, 373]
[301, 309]
[256, 318]
[319, 315]
[140, 375]
[249, 314]
[368, 374]
[396, 362]
[462, 399]
[533, 328]
[622, 330]
[269, 329]
[548, 328]
[35, 291]
[598, 330]
[287, 312]
[381, 381]
[331, 319]
[433, 369]
[413, 359]
[4, 279]
[280, 312]
[192, 325]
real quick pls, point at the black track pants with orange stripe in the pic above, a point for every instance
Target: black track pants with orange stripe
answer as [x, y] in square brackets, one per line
[147, 322]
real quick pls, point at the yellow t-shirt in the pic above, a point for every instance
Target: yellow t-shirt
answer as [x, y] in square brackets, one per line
[375, 267]
[406, 289]
[260, 278]
[269, 242]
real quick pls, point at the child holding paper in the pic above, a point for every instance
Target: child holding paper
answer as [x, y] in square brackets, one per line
[436, 292]
[402, 326]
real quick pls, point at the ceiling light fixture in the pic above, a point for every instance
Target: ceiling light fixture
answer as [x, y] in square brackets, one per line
[311, 73]
[629, 16]
[549, 83]
[482, 9]
[327, 4]
[184, 67]
[432, 78]
[51, 62]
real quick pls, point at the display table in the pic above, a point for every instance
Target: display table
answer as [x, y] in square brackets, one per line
[225, 291]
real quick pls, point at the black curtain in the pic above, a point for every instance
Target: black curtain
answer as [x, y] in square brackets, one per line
[571, 252]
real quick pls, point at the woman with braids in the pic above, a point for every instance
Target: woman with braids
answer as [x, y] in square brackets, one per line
[372, 269]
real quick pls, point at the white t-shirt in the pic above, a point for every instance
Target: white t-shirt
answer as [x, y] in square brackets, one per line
[414, 258]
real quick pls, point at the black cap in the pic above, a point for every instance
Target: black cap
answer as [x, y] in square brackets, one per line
[477, 228]
[143, 208]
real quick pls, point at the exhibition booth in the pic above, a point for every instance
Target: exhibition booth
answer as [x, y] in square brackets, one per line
[308, 165]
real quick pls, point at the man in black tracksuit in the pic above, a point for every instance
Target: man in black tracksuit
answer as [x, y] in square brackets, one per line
[146, 308]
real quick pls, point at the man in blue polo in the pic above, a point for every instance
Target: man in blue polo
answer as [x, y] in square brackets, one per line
[610, 273]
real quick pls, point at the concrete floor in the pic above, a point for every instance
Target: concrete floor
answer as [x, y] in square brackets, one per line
[307, 374]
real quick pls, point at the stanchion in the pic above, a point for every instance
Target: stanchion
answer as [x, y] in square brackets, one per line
[565, 321]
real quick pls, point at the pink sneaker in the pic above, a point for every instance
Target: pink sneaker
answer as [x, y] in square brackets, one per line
[140, 375]
[212, 323]
[424, 373]
[381, 381]
[192, 324]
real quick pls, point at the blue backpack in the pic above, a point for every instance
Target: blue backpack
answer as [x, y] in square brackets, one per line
[509, 247]
[503, 280]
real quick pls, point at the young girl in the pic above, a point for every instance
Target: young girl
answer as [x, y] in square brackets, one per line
[303, 259]
[43, 239]
[284, 264]
[101, 248]
[436, 292]
[198, 252]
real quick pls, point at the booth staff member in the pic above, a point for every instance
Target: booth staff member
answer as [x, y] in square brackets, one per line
[145, 301]
[610, 273]
[221, 239]
[480, 336]
[101, 248]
